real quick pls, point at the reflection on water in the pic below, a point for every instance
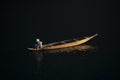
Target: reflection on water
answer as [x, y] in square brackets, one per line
[64, 50]
[83, 48]
[38, 58]
[71, 49]
[53, 67]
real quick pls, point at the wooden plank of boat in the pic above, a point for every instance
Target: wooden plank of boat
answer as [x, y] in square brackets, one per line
[70, 44]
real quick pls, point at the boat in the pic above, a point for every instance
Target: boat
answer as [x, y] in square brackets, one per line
[63, 44]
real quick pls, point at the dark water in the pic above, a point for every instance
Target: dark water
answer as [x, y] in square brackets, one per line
[93, 64]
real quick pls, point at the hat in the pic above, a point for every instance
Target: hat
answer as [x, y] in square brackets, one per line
[37, 39]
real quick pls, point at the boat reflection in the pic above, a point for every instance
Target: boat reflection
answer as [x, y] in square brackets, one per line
[83, 47]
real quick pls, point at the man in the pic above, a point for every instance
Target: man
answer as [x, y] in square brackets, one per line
[38, 44]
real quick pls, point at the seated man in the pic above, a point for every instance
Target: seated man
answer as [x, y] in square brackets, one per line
[38, 44]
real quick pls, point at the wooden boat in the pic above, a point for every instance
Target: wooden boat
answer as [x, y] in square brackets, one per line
[64, 44]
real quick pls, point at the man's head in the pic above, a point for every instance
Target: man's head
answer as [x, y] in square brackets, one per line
[37, 40]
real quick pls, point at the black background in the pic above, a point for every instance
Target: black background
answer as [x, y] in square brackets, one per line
[56, 20]
[24, 21]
